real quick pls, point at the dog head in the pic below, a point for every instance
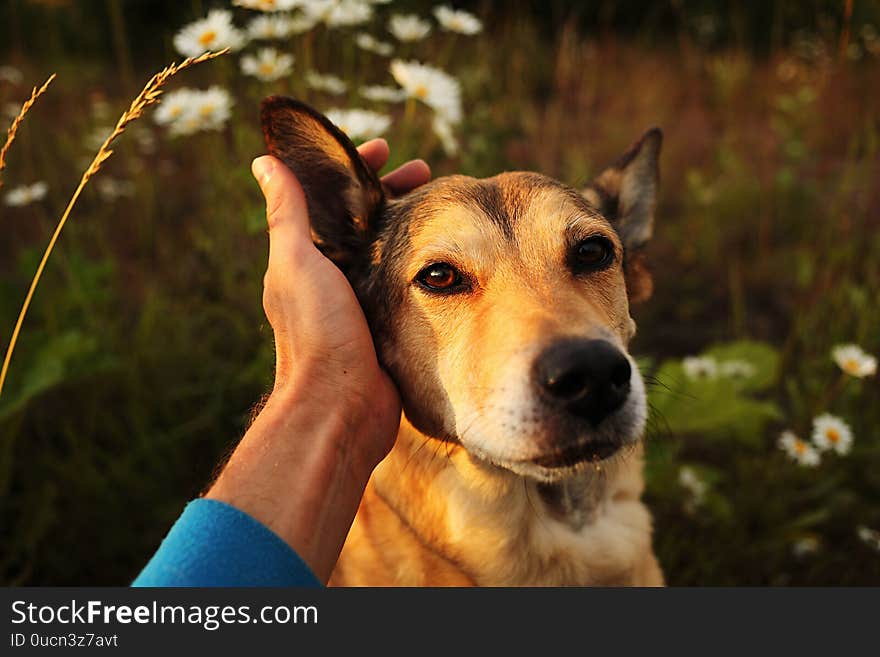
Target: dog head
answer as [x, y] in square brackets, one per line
[500, 306]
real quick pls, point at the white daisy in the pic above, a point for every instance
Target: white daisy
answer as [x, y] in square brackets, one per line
[96, 137]
[26, 194]
[870, 537]
[213, 32]
[359, 123]
[831, 432]
[383, 94]
[805, 546]
[267, 65]
[736, 369]
[201, 110]
[301, 23]
[11, 110]
[213, 106]
[339, 13]
[173, 105]
[853, 360]
[327, 83]
[700, 367]
[695, 486]
[369, 43]
[691, 481]
[11, 75]
[798, 450]
[457, 21]
[269, 27]
[437, 89]
[408, 27]
[268, 5]
[443, 130]
[111, 189]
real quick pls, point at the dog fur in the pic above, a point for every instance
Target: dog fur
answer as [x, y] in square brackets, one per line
[489, 482]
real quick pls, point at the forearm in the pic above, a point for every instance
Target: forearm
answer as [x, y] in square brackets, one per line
[298, 470]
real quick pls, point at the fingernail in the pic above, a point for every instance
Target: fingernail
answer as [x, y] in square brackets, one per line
[262, 168]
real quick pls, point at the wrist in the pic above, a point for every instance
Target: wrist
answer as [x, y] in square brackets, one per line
[301, 470]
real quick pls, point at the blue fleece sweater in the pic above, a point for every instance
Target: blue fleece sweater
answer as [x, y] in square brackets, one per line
[215, 544]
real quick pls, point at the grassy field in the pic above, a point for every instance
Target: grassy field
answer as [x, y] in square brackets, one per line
[146, 348]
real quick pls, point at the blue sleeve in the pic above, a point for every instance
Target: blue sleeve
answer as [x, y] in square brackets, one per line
[215, 544]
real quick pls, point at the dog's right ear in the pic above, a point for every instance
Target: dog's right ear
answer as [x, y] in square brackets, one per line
[343, 193]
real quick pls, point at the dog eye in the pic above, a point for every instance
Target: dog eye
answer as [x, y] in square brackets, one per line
[592, 254]
[439, 277]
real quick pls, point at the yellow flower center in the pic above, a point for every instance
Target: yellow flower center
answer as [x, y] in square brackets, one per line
[851, 365]
[800, 447]
[207, 110]
[175, 111]
[833, 435]
[207, 38]
[267, 68]
[421, 92]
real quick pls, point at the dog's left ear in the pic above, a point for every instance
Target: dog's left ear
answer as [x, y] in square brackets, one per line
[626, 194]
[343, 193]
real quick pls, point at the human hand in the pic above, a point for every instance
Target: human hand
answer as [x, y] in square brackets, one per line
[333, 413]
[323, 346]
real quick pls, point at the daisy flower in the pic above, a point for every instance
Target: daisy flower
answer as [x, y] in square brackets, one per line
[736, 369]
[369, 43]
[831, 432]
[694, 485]
[457, 21]
[854, 361]
[11, 75]
[443, 130]
[691, 481]
[700, 367]
[111, 189]
[26, 194]
[383, 94]
[213, 106]
[359, 123]
[269, 27]
[96, 137]
[326, 83]
[268, 5]
[799, 451]
[198, 110]
[437, 89]
[10, 110]
[338, 13]
[267, 65]
[214, 32]
[174, 105]
[408, 27]
[805, 546]
[869, 536]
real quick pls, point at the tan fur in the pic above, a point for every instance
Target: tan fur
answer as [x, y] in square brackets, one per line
[435, 515]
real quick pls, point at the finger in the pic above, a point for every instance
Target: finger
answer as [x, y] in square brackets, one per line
[407, 177]
[286, 211]
[375, 152]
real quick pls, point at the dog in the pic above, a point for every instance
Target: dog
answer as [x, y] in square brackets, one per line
[501, 309]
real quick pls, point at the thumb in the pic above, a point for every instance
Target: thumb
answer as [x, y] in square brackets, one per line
[286, 211]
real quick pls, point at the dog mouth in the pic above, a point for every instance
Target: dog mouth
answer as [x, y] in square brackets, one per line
[592, 451]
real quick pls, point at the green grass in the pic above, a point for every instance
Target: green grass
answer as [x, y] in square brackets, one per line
[146, 346]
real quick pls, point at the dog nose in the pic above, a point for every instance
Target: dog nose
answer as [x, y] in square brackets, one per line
[589, 378]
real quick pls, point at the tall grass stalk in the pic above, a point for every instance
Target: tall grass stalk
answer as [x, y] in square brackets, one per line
[149, 95]
[16, 122]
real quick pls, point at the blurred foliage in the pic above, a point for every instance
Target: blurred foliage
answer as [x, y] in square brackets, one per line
[146, 347]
